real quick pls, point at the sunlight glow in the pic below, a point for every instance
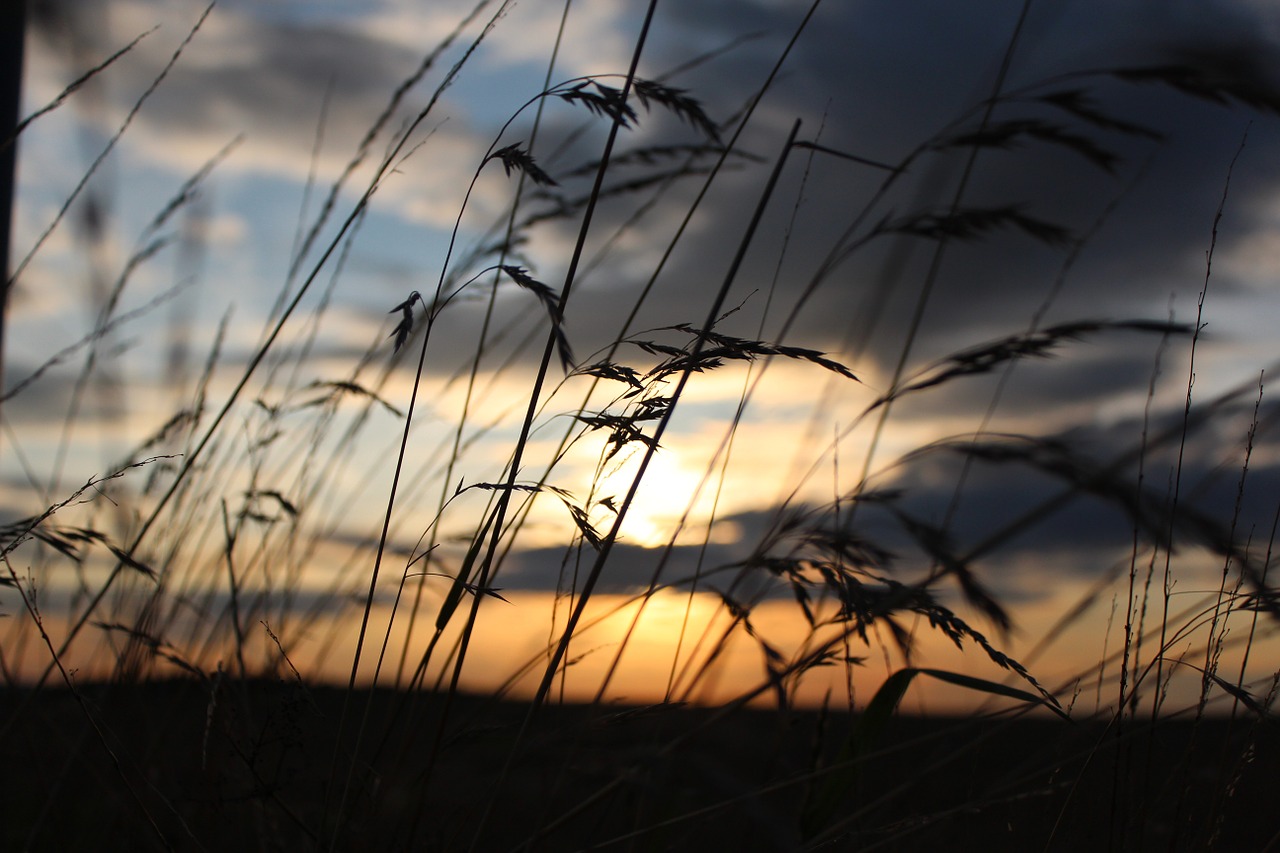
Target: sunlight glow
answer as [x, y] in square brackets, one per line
[663, 497]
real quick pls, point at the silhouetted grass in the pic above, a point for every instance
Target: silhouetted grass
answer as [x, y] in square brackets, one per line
[214, 555]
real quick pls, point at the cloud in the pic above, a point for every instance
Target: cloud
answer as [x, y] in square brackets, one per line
[1082, 538]
[866, 80]
[877, 82]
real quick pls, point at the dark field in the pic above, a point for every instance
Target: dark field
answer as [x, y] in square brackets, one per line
[252, 775]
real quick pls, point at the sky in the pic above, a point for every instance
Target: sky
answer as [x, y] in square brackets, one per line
[274, 100]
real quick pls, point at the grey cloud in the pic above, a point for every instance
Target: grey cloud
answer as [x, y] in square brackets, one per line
[876, 80]
[1100, 523]
[48, 399]
[630, 568]
[281, 74]
[895, 79]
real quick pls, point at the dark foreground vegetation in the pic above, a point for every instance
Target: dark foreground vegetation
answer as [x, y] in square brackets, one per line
[252, 772]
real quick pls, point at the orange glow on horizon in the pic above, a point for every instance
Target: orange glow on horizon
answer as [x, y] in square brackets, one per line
[679, 650]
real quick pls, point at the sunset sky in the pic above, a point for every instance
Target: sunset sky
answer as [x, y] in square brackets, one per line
[277, 96]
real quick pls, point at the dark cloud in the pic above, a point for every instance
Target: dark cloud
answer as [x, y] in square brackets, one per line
[630, 568]
[49, 398]
[1102, 368]
[876, 81]
[1117, 484]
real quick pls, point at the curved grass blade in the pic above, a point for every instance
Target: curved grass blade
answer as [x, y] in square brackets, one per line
[825, 798]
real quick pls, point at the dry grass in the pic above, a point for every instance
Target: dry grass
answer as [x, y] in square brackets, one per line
[220, 548]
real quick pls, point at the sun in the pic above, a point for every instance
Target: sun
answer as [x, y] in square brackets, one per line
[668, 488]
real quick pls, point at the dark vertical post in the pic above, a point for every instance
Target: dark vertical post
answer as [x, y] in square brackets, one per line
[12, 33]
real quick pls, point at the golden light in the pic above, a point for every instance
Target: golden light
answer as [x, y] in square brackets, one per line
[668, 488]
